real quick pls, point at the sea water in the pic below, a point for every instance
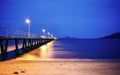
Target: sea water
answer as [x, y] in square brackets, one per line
[76, 49]
[85, 49]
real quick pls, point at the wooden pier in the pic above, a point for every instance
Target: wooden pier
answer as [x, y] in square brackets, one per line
[27, 44]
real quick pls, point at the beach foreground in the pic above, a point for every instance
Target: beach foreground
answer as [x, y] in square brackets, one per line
[36, 67]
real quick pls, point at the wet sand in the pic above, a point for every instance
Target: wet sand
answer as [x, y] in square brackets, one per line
[37, 67]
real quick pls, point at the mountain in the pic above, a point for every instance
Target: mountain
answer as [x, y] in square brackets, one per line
[112, 36]
[67, 38]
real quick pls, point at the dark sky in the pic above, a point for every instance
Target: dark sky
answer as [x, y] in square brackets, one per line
[75, 18]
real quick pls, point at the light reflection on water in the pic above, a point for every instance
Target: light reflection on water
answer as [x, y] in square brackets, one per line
[82, 49]
[45, 50]
[39, 53]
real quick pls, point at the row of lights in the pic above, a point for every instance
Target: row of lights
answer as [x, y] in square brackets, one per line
[43, 30]
[49, 34]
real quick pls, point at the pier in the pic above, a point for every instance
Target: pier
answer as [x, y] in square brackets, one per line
[28, 43]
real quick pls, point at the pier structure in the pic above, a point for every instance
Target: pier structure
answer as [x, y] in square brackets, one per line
[28, 43]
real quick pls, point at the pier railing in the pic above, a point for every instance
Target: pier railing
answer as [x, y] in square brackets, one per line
[15, 33]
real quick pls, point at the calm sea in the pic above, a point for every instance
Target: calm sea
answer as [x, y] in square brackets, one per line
[77, 49]
[87, 49]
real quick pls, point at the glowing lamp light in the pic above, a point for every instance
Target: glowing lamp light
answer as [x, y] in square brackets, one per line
[48, 33]
[43, 30]
[27, 21]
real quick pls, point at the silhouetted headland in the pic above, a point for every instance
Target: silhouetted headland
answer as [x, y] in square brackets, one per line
[68, 38]
[112, 36]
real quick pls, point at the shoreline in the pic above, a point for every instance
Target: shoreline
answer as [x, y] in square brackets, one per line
[70, 59]
[36, 67]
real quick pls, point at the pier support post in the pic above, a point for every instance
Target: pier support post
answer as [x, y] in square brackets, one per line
[16, 45]
[2, 49]
[24, 45]
[4, 45]
[29, 43]
[32, 46]
[37, 42]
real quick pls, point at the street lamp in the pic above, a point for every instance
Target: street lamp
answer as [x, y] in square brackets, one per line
[28, 23]
[43, 30]
[48, 34]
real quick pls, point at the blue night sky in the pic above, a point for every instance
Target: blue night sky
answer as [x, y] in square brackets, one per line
[75, 18]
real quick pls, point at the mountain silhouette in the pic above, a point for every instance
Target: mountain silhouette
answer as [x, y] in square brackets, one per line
[68, 38]
[112, 36]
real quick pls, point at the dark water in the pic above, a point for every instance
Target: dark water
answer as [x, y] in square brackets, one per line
[87, 49]
[80, 49]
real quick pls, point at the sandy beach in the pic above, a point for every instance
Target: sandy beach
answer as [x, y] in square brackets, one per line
[31, 64]
[36, 67]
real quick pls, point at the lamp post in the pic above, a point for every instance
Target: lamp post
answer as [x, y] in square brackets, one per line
[28, 23]
[43, 30]
[48, 34]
